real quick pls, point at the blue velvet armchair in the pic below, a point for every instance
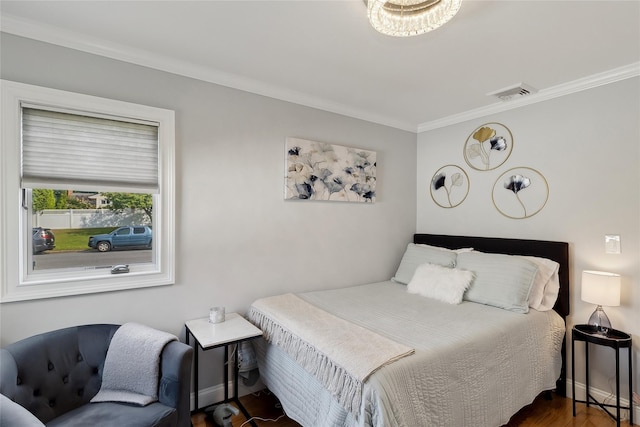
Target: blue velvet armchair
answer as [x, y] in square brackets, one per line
[49, 379]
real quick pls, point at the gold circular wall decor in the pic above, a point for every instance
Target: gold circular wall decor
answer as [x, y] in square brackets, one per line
[488, 146]
[449, 186]
[520, 193]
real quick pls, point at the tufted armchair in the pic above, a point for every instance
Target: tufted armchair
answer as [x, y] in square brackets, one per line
[54, 376]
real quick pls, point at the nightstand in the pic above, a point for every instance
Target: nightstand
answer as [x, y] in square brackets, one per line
[614, 339]
[207, 336]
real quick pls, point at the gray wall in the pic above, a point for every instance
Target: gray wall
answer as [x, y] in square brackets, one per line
[237, 238]
[587, 145]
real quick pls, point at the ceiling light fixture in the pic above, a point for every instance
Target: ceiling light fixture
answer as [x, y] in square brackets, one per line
[403, 18]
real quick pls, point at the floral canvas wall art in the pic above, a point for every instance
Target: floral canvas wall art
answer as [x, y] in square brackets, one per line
[321, 171]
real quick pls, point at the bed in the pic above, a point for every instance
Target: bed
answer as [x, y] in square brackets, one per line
[389, 354]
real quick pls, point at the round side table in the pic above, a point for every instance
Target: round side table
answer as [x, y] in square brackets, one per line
[614, 339]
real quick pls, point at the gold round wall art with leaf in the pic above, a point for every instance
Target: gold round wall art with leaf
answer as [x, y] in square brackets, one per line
[449, 186]
[520, 193]
[488, 146]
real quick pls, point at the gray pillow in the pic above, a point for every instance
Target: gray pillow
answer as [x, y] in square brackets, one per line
[416, 255]
[502, 281]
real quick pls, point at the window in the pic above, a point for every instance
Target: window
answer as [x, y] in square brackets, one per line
[88, 175]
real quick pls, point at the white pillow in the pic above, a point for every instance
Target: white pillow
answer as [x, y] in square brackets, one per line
[546, 284]
[501, 280]
[416, 255]
[458, 251]
[440, 283]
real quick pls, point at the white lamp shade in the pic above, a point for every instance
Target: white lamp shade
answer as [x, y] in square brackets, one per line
[601, 288]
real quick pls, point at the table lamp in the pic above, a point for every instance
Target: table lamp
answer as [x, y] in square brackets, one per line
[600, 288]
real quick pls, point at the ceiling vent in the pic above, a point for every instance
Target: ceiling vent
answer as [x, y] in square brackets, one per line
[512, 92]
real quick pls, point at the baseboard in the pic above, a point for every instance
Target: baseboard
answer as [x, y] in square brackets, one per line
[601, 396]
[215, 394]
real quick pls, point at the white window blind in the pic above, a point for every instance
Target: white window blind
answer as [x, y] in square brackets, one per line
[66, 150]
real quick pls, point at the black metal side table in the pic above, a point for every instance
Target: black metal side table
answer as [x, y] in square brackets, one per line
[207, 336]
[614, 339]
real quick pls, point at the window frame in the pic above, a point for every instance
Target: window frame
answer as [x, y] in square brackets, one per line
[15, 283]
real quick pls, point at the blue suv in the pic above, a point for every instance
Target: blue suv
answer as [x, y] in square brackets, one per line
[124, 237]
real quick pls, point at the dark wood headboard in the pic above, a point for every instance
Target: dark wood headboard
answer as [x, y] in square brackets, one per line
[556, 251]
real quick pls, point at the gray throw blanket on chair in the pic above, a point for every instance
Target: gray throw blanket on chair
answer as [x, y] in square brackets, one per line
[132, 366]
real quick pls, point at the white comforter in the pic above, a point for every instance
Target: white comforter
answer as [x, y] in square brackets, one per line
[474, 365]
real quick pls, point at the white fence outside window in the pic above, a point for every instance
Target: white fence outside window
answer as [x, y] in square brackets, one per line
[88, 218]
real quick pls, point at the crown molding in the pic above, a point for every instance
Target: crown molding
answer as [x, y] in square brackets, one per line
[65, 38]
[589, 82]
[61, 37]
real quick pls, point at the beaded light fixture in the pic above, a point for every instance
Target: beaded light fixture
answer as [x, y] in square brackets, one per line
[404, 18]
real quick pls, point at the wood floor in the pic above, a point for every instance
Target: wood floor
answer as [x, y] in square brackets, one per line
[541, 413]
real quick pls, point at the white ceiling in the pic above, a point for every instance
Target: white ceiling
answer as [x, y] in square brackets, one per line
[324, 54]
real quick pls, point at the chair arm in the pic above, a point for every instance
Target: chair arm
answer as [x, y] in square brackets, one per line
[12, 414]
[175, 380]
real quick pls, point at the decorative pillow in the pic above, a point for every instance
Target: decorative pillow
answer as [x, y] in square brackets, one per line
[546, 284]
[502, 281]
[441, 283]
[416, 255]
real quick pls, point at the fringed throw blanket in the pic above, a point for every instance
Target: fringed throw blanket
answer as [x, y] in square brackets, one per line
[132, 366]
[340, 354]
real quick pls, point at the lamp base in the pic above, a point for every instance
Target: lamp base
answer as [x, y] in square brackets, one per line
[600, 321]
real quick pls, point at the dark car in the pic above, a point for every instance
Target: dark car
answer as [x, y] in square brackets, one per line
[129, 237]
[43, 240]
